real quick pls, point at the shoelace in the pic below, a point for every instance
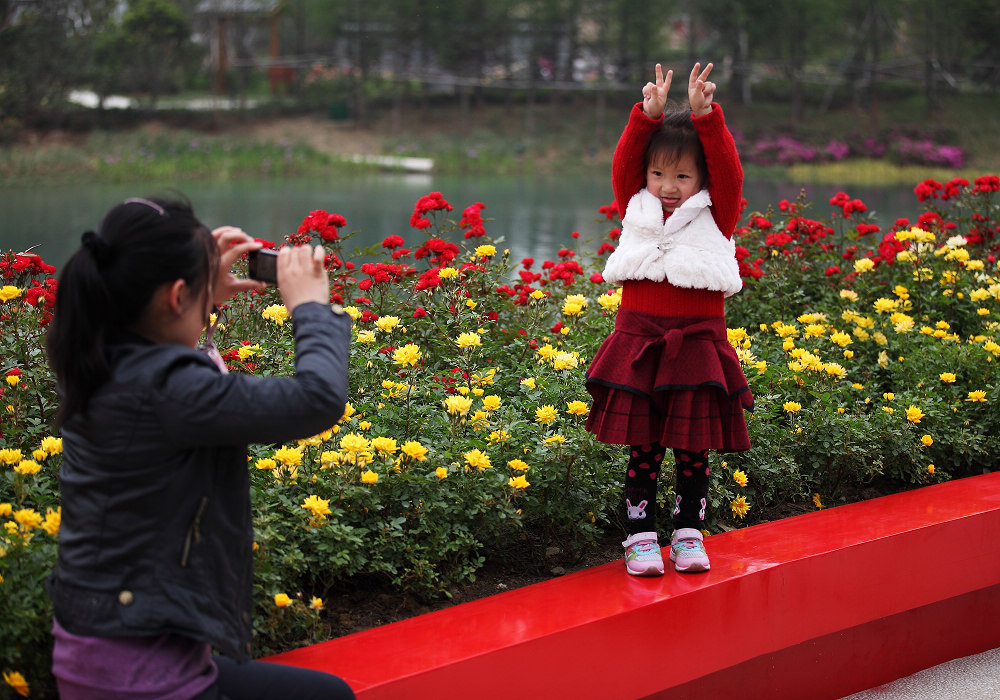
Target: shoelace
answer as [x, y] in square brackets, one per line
[688, 544]
[644, 547]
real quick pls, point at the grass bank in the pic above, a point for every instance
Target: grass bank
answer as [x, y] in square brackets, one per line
[571, 135]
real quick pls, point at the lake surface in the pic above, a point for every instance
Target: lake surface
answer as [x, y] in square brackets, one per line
[534, 216]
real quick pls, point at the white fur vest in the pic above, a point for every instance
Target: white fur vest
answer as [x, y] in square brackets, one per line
[687, 249]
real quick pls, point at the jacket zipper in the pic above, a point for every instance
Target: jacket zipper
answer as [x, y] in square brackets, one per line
[193, 534]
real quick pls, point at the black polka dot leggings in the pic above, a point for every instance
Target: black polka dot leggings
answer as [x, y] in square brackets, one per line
[691, 497]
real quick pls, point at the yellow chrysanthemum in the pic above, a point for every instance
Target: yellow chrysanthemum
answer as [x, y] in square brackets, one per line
[491, 402]
[276, 313]
[27, 466]
[518, 464]
[610, 302]
[316, 603]
[385, 445]
[564, 360]
[927, 440]
[577, 408]
[447, 273]
[407, 356]
[28, 518]
[864, 265]
[840, 338]
[458, 405]
[369, 477]
[441, 472]
[14, 679]
[11, 457]
[817, 502]
[914, 414]
[791, 406]
[53, 518]
[247, 351]
[289, 456]
[414, 450]
[546, 414]
[354, 443]
[319, 507]
[9, 291]
[740, 507]
[485, 251]
[52, 445]
[477, 459]
[387, 324]
[366, 337]
[282, 600]
[265, 464]
[468, 340]
[518, 482]
[498, 436]
[977, 396]
[883, 305]
[740, 477]
[947, 377]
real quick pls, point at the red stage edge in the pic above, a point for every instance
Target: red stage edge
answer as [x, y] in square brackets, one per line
[816, 606]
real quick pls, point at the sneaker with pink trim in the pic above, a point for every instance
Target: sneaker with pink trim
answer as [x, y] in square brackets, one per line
[687, 550]
[642, 555]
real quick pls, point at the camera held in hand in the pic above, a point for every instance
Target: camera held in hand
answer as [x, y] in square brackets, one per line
[263, 265]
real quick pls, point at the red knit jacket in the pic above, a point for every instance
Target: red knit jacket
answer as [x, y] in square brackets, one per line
[725, 185]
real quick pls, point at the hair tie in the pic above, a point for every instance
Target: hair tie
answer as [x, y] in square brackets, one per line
[99, 248]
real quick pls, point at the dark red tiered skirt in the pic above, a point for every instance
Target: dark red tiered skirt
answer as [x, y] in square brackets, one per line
[674, 380]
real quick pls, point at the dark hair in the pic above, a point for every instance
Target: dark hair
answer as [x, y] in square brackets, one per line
[675, 138]
[108, 282]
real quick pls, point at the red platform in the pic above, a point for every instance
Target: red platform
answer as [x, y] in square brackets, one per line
[817, 606]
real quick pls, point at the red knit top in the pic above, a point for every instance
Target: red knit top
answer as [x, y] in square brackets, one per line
[725, 186]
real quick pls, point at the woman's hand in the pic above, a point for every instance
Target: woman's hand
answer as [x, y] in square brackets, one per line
[233, 242]
[654, 95]
[302, 276]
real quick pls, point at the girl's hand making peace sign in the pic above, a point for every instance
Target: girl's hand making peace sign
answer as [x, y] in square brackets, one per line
[700, 91]
[654, 95]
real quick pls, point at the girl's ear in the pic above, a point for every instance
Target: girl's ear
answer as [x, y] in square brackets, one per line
[176, 296]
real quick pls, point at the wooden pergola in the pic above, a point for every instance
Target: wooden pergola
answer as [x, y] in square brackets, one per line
[221, 14]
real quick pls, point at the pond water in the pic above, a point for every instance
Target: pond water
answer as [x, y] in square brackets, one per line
[534, 216]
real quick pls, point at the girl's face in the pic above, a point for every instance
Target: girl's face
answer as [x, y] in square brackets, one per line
[194, 318]
[673, 183]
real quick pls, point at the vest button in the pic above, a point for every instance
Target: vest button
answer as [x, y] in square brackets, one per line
[126, 598]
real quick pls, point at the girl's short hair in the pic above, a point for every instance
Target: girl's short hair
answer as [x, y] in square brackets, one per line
[107, 284]
[677, 137]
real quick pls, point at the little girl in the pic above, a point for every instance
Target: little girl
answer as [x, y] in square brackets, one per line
[667, 376]
[155, 564]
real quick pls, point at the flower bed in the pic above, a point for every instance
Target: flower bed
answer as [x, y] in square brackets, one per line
[872, 355]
